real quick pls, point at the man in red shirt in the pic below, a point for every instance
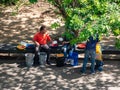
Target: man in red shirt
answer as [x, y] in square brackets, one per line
[41, 40]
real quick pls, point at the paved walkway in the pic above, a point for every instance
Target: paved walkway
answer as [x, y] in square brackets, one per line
[15, 76]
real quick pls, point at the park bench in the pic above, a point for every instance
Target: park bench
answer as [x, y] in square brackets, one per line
[105, 50]
[11, 48]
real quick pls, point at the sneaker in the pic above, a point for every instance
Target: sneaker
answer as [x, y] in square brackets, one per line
[48, 63]
[42, 66]
[82, 71]
[83, 74]
[92, 73]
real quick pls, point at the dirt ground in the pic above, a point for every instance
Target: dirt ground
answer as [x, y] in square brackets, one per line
[23, 25]
[14, 75]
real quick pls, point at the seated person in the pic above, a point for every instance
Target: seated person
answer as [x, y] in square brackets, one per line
[41, 40]
[67, 47]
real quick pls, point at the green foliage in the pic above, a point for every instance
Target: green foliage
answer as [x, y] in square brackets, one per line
[116, 32]
[68, 34]
[33, 1]
[55, 25]
[88, 17]
[8, 2]
[117, 44]
[19, 4]
[115, 23]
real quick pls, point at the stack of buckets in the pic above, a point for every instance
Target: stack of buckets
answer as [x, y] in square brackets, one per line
[73, 57]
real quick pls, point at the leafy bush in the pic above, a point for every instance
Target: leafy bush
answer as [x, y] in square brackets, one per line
[8, 2]
[88, 17]
[33, 1]
[117, 43]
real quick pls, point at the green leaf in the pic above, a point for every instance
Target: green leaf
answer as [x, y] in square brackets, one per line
[33, 1]
[55, 25]
[116, 32]
[117, 43]
[90, 17]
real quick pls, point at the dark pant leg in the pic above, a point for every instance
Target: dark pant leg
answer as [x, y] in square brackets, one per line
[92, 55]
[99, 65]
[86, 56]
[36, 58]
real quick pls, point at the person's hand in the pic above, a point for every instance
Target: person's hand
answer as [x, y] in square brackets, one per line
[45, 46]
[37, 44]
[65, 42]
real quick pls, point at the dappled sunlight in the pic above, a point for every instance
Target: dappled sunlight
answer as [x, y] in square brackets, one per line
[111, 57]
[14, 74]
[108, 40]
[22, 26]
[55, 78]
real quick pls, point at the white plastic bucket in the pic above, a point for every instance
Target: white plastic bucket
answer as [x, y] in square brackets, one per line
[29, 59]
[42, 58]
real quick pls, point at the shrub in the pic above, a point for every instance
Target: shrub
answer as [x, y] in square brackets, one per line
[8, 2]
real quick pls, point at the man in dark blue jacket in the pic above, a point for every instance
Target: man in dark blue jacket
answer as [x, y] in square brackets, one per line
[90, 52]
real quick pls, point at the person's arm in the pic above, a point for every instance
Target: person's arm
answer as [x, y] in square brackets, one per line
[35, 40]
[66, 41]
[36, 43]
[49, 39]
[97, 37]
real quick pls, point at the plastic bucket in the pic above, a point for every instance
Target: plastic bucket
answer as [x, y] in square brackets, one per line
[60, 61]
[29, 59]
[42, 58]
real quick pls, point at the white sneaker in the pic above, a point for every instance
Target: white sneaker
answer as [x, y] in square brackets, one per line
[42, 66]
[92, 73]
[83, 74]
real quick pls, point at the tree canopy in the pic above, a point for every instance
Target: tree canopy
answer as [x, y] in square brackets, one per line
[88, 17]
